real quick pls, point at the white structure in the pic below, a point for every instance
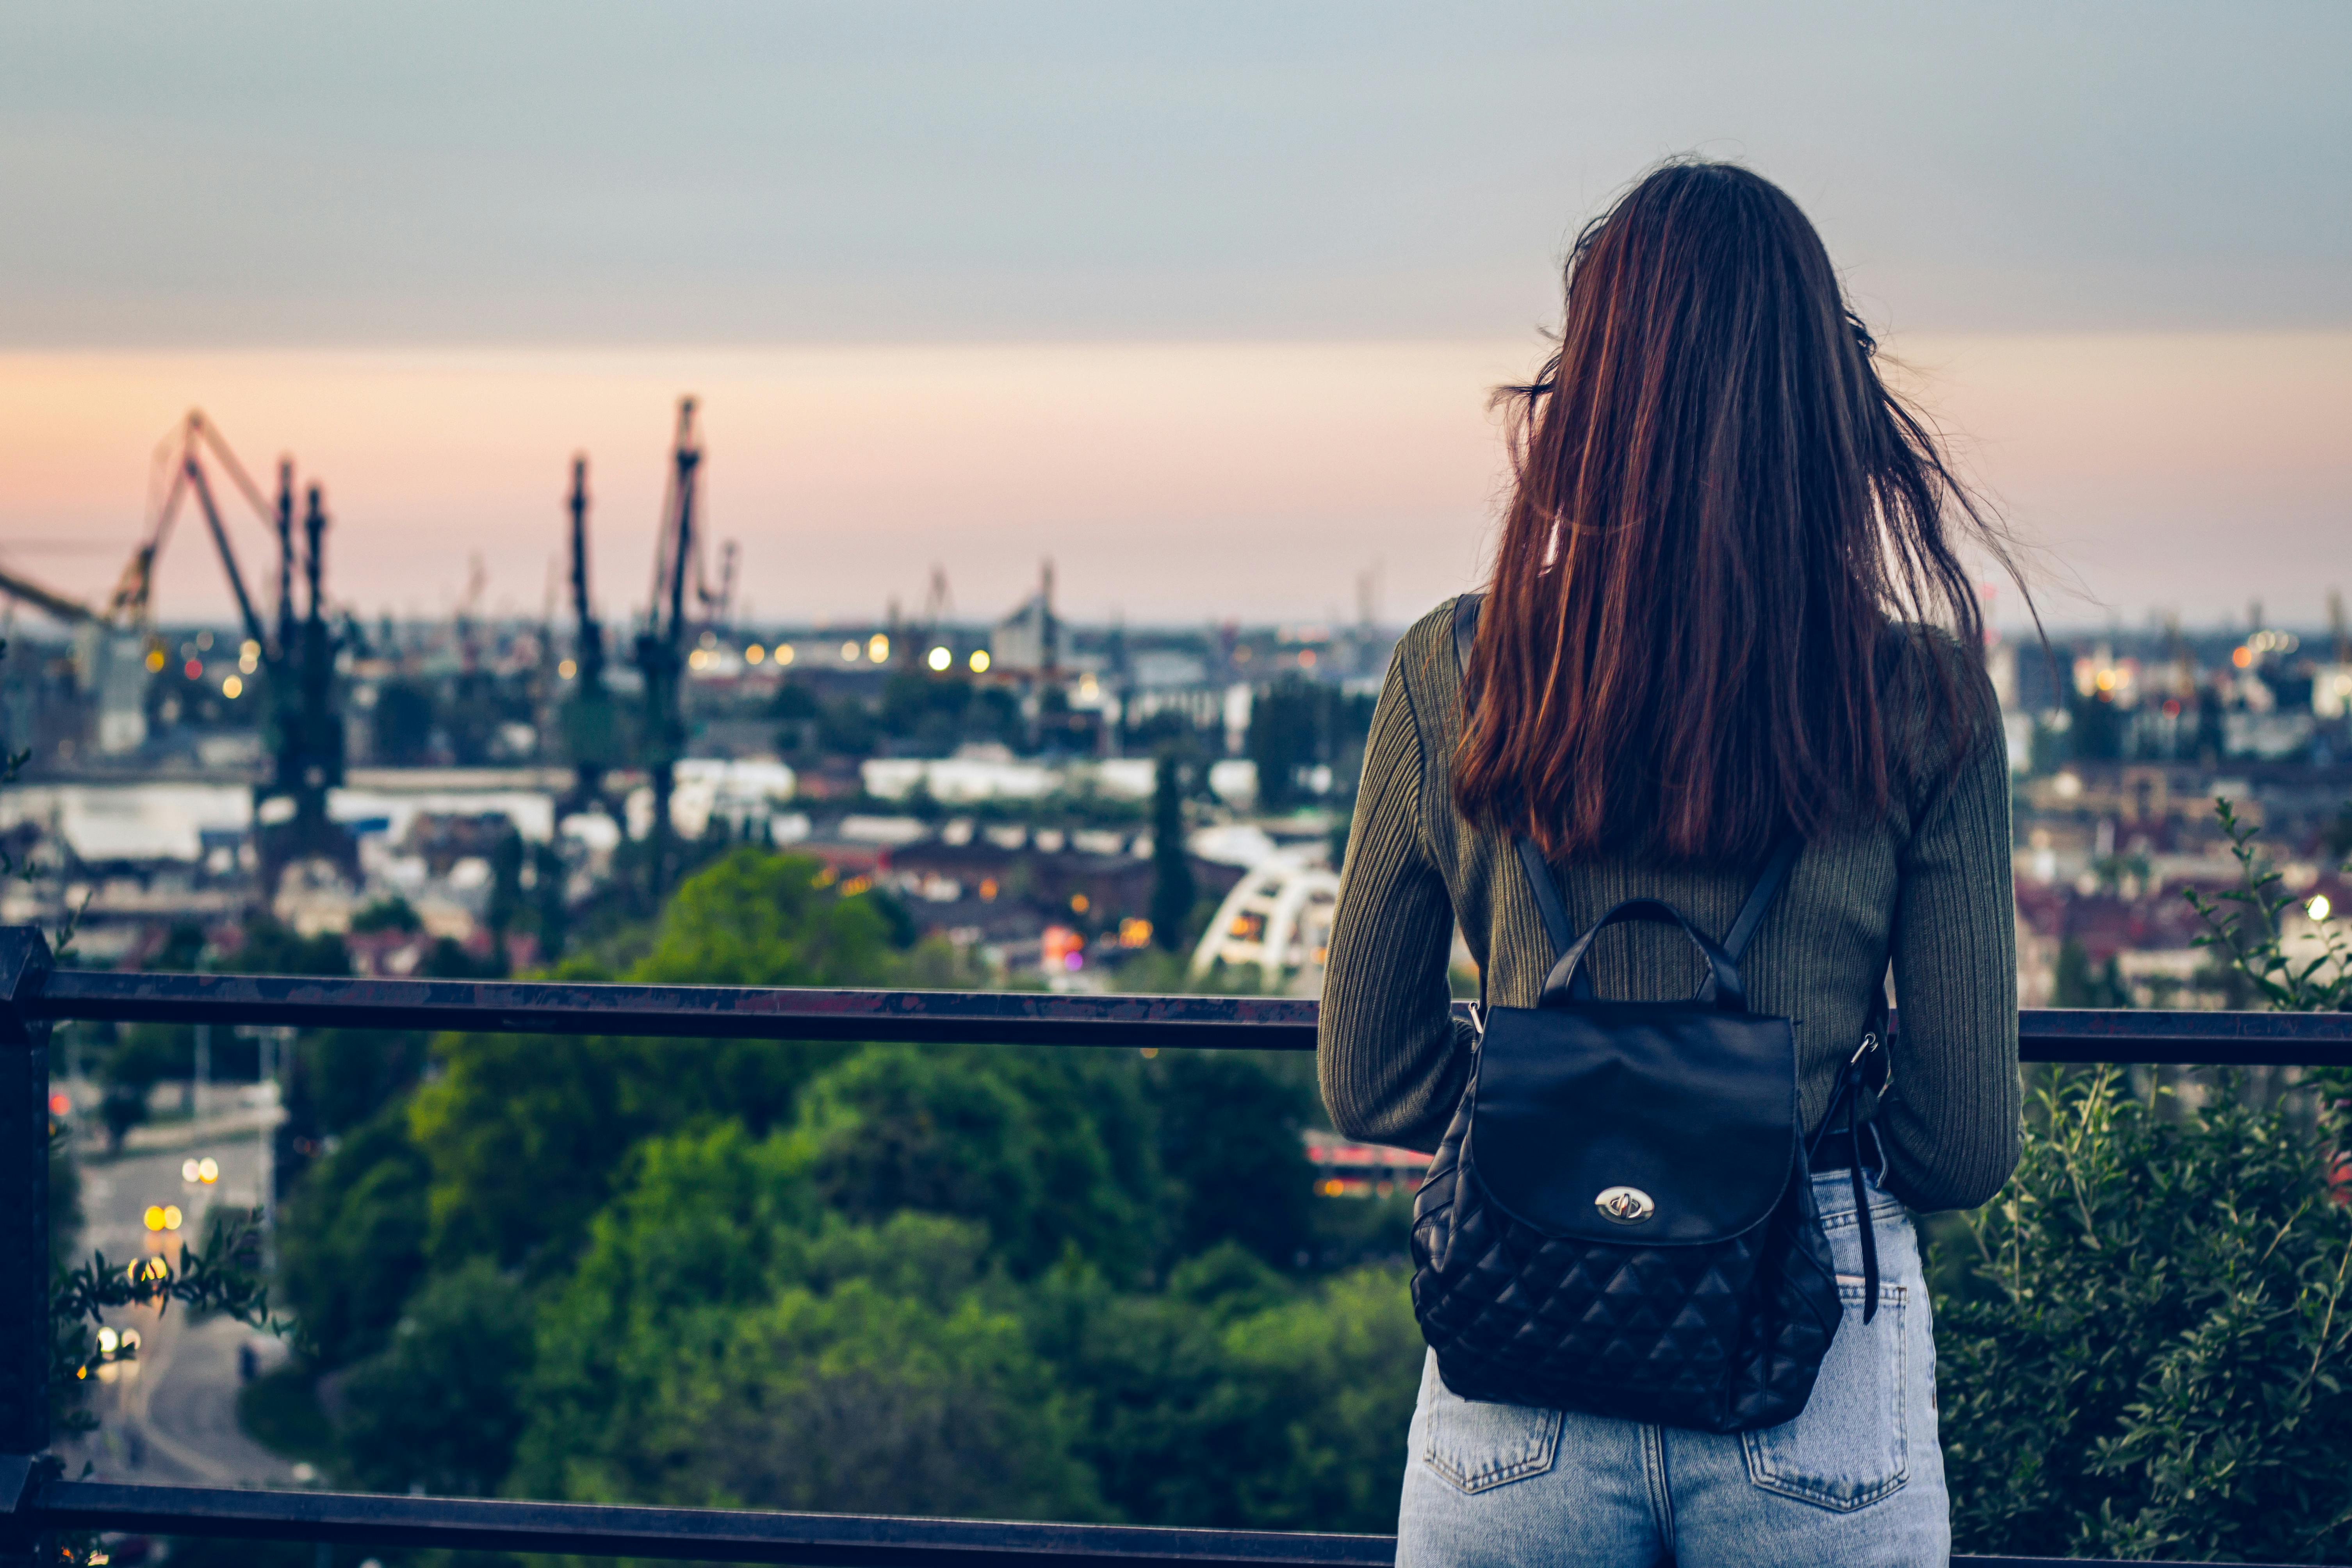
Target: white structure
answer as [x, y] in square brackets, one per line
[1277, 918]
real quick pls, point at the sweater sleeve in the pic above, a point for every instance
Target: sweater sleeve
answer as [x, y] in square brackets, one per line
[1950, 1114]
[1391, 1060]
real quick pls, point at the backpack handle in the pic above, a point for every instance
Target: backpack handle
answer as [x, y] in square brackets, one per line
[1567, 982]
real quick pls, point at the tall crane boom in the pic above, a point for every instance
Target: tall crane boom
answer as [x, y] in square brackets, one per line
[661, 647]
[71, 611]
[588, 718]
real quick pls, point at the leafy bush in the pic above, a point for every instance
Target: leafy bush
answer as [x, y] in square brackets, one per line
[2156, 1357]
[2149, 1353]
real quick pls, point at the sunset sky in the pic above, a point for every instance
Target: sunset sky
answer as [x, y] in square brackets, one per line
[1203, 301]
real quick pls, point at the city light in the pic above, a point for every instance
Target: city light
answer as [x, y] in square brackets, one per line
[232, 688]
[173, 1217]
[849, 653]
[755, 654]
[980, 661]
[1134, 932]
[194, 670]
[155, 659]
[566, 670]
[940, 659]
[107, 1341]
[783, 653]
[877, 648]
[2319, 909]
[209, 1170]
[187, 1170]
[1080, 903]
[153, 1217]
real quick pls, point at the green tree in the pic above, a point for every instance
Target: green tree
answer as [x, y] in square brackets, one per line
[351, 1242]
[524, 1136]
[1011, 1144]
[1229, 1137]
[440, 1406]
[1235, 1399]
[860, 1400]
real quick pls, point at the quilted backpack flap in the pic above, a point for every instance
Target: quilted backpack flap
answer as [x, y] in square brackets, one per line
[1617, 1123]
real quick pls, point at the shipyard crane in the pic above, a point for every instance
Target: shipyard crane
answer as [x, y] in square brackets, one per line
[661, 646]
[588, 717]
[298, 653]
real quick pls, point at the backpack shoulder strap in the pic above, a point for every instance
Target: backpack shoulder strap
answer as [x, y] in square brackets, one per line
[1760, 898]
[1531, 860]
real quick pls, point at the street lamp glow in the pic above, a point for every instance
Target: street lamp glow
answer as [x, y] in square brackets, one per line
[153, 1217]
[187, 1170]
[980, 661]
[940, 659]
[172, 1217]
[209, 1170]
[877, 648]
[2319, 909]
[232, 688]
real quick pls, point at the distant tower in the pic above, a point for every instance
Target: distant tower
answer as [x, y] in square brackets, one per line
[1049, 629]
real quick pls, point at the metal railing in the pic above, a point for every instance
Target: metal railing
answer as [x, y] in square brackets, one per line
[35, 996]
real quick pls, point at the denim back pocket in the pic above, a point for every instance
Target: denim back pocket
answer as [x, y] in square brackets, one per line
[1847, 1448]
[1478, 1445]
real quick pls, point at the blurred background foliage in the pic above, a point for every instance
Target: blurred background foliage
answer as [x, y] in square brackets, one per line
[1030, 1284]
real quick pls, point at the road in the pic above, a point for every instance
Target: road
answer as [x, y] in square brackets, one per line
[171, 1414]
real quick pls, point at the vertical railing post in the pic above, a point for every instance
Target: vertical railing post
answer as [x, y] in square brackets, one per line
[25, 964]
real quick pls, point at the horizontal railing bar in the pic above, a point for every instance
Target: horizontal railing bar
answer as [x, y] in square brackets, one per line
[1002, 1017]
[768, 1013]
[691, 1535]
[710, 1535]
[2190, 1039]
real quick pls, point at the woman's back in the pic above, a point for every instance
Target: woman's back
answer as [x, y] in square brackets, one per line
[1925, 886]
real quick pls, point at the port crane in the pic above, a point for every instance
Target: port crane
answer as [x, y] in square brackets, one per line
[588, 718]
[661, 646]
[297, 653]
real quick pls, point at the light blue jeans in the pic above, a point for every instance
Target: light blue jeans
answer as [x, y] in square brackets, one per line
[1856, 1481]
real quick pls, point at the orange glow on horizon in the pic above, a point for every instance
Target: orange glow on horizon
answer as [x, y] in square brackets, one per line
[1169, 481]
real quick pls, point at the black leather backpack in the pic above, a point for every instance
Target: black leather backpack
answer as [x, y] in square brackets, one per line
[1621, 1219]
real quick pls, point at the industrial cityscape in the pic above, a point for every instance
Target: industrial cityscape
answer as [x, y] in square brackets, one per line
[501, 788]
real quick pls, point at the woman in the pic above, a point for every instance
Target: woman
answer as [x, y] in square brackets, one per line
[1727, 605]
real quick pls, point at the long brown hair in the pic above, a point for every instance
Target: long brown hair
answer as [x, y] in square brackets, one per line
[1718, 509]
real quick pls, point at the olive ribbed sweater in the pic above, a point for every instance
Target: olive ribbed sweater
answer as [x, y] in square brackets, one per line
[1928, 884]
